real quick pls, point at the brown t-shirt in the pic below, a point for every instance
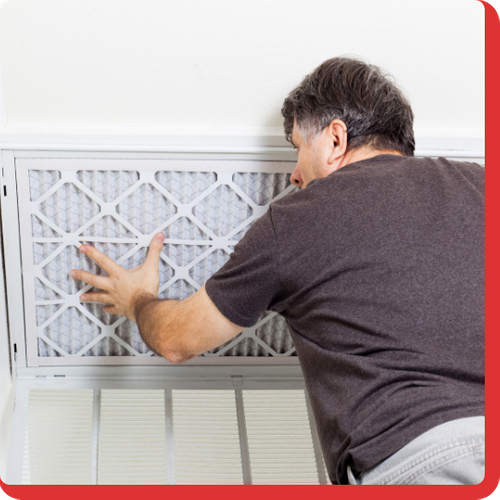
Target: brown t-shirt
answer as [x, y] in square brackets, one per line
[379, 271]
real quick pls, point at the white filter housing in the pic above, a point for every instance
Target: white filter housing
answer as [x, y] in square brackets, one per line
[93, 404]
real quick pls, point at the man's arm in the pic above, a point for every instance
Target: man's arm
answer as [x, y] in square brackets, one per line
[177, 330]
[181, 330]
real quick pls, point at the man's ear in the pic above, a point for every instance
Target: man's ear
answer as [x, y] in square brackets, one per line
[337, 137]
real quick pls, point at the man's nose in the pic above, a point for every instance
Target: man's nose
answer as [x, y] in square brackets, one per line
[296, 178]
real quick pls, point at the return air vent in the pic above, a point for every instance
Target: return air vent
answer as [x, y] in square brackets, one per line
[166, 435]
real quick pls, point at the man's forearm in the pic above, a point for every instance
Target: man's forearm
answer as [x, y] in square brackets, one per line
[151, 314]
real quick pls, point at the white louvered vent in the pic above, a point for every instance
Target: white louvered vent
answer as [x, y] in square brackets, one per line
[206, 436]
[132, 437]
[58, 439]
[165, 436]
[279, 438]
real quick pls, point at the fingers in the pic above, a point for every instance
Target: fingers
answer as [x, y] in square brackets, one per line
[110, 309]
[155, 249]
[91, 279]
[102, 297]
[105, 262]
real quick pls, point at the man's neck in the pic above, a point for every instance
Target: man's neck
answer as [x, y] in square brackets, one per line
[365, 153]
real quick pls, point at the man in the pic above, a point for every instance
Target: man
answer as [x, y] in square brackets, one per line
[377, 266]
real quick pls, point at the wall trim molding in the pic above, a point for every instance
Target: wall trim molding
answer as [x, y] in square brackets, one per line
[198, 140]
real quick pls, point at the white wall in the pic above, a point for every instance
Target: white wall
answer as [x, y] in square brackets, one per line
[229, 63]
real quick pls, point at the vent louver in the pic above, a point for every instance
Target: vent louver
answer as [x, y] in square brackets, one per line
[279, 438]
[132, 437]
[206, 436]
[58, 440]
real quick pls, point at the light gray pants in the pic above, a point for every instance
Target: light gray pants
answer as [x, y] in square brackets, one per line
[451, 453]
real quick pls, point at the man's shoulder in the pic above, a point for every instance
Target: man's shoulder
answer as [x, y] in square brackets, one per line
[469, 165]
[410, 168]
[297, 199]
[470, 172]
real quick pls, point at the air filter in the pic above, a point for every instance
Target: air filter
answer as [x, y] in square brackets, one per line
[204, 209]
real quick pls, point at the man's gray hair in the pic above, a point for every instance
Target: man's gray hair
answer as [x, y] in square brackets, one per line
[374, 109]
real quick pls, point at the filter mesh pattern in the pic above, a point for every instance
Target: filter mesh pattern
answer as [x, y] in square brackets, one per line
[132, 437]
[202, 214]
[206, 436]
[279, 438]
[58, 443]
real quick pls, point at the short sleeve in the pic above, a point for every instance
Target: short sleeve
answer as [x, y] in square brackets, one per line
[249, 283]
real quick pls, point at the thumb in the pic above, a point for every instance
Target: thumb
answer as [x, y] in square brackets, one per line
[155, 249]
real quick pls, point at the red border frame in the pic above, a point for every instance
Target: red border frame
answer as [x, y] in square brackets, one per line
[482, 490]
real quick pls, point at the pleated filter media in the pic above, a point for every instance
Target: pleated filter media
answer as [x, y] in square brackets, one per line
[203, 207]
